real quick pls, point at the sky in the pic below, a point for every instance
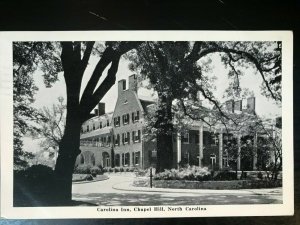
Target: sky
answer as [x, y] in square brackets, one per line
[48, 96]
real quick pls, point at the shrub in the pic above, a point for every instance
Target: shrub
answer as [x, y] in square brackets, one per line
[127, 169]
[189, 173]
[83, 169]
[121, 169]
[95, 170]
[140, 172]
[82, 177]
[89, 177]
[225, 175]
[243, 175]
[111, 170]
[117, 169]
[260, 175]
[36, 174]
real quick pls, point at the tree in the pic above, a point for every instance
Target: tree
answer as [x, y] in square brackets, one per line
[74, 59]
[27, 58]
[53, 126]
[175, 72]
[50, 132]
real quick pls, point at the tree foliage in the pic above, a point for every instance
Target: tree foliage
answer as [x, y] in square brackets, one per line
[51, 129]
[178, 72]
[27, 58]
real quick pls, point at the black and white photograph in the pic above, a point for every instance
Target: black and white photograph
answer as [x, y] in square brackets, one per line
[147, 124]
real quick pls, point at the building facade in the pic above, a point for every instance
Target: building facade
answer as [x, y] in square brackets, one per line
[115, 139]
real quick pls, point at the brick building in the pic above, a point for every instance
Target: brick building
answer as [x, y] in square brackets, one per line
[115, 139]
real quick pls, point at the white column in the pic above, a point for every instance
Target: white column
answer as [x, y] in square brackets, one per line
[178, 147]
[200, 145]
[255, 151]
[239, 152]
[220, 150]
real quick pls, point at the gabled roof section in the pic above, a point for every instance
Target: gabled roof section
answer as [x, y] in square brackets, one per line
[146, 101]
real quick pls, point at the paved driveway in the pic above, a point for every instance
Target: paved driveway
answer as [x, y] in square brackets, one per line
[103, 193]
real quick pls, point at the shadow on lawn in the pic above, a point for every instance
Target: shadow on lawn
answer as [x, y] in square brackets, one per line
[145, 199]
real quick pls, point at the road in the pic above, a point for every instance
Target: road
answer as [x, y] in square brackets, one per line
[103, 193]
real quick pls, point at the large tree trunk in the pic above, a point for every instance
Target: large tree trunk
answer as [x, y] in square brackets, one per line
[68, 151]
[164, 136]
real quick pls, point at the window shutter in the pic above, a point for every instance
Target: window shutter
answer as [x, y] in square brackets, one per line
[123, 138]
[132, 115]
[133, 136]
[139, 135]
[128, 137]
[138, 115]
[133, 163]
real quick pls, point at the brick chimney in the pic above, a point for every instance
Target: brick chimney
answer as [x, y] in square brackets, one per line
[132, 84]
[121, 86]
[230, 105]
[251, 104]
[101, 108]
[238, 105]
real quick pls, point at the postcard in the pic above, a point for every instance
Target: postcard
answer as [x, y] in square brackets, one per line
[144, 124]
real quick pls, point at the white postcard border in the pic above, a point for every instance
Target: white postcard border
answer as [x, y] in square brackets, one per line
[6, 124]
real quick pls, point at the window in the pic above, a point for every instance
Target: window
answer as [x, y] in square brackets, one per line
[137, 158]
[100, 125]
[135, 116]
[107, 123]
[101, 141]
[225, 160]
[88, 128]
[117, 160]
[126, 138]
[108, 140]
[117, 140]
[117, 121]
[197, 137]
[127, 159]
[154, 153]
[136, 136]
[213, 160]
[215, 139]
[185, 137]
[125, 119]
[123, 159]
[93, 126]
